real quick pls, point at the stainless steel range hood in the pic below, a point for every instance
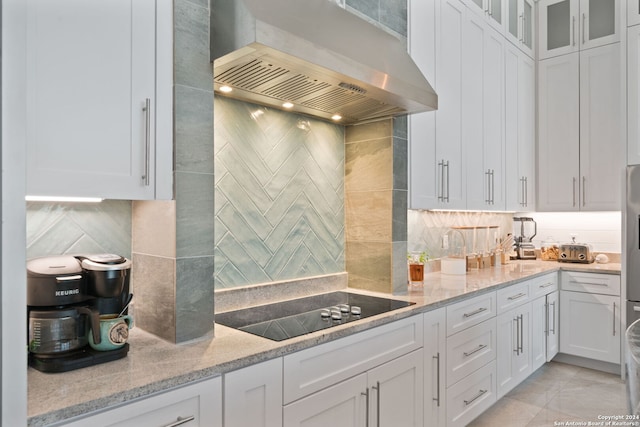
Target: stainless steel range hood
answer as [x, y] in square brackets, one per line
[315, 55]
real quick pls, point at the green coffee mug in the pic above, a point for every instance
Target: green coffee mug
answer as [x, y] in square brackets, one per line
[114, 332]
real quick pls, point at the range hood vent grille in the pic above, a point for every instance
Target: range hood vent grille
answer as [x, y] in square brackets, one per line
[315, 55]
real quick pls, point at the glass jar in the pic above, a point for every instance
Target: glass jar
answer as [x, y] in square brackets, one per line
[549, 250]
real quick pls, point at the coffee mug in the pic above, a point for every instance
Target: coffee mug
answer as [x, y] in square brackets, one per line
[114, 332]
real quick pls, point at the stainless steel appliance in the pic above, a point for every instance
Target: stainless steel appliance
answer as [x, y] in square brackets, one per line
[65, 297]
[631, 221]
[576, 252]
[523, 245]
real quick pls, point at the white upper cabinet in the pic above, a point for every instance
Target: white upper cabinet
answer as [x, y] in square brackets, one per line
[580, 141]
[437, 173]
[483, 114]
[493, 10]
[571, 25]
[520, 25]
[633, 12]
[519, 130]
[96, 98]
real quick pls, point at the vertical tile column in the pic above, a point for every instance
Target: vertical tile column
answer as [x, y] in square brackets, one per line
[173, 242]
[376, 205]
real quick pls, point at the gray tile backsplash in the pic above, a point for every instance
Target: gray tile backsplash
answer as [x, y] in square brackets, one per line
[67, 228]
[279, 195]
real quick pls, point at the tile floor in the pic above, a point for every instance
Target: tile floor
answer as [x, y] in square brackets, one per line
[558, 392]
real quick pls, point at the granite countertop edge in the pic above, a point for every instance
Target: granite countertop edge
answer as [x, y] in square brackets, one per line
[231, 350]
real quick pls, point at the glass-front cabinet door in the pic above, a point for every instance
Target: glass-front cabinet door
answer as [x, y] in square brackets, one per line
[570, 25]
[519, 25]
[633, 12]
[599, 22]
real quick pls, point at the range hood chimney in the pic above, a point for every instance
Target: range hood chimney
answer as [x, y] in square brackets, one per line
[319, 58]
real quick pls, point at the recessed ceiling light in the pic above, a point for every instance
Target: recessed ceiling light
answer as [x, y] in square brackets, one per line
[225, 89]
[287, 105]
[336, 117]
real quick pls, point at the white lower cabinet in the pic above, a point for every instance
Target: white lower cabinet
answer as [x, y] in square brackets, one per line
[471, 396]
[471, 358]
[544, 329]
[198, 404]
[514, 348]
[390, 394]
[253, 395]
[435, 360]
[590, 326]
[590, 316]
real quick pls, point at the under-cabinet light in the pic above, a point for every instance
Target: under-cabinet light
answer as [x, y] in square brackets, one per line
[63, 199]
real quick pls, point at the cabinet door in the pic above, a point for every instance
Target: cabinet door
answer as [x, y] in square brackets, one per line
[449, 67]
[519, 24]
[258, 387]
[590, 326]
[538, 332]
[599, 22]
[396, 392]
[341, 405]
[91, 76]
[424, 174]
[601, 140]
[553, 330]
[513, 358]
[558, 29]
[435, 160]
[519, 130]
[633, 12]
[558, 138]
[435, 360]
[633, 99]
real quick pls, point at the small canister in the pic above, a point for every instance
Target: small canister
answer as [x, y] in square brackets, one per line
[549, 250]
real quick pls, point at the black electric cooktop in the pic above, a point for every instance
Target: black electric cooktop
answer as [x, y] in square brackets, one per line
[289, 319]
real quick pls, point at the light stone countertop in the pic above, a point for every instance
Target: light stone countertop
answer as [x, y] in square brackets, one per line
[154, 365]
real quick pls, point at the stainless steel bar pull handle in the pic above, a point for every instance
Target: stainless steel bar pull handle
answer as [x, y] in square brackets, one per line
[473, 313]
[147, 139]
[447, 175]
[521, 36]
[516, 350]
[493, 186]
[526, 191]
[517, 296]
[521, 334]
[574, 191]
[475, 350]
[377, 388]
[524, 32]
[614, 319]
[584, 17]
[546, 285]
[366, 415]
[437, 398]
[584, 185]
[479, 395]
[180, 421]
[441, 190]
[553, 330]
[487, 174]
[546, 318]
[573, 29]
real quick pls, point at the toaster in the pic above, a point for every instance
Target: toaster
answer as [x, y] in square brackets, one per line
[576, 252]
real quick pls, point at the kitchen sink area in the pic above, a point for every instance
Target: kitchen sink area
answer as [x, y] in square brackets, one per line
[293, 318]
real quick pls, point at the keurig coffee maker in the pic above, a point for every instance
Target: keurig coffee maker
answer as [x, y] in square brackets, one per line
[66, 296]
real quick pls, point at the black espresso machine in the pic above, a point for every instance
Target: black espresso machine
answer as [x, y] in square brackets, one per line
[66, 294]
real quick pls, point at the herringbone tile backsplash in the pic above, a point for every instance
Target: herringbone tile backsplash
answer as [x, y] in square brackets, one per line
[69, 228]
[279, 195]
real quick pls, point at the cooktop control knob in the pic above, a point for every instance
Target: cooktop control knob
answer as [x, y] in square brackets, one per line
[336, 315]
[325, 313]
[344, 308]
[355, 310]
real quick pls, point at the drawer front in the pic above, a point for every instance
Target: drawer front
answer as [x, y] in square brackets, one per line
[315, 368]
[512, 296]
[471, 396]
[470, 350]
[199, 404]
[606, 284]
[465, 314]
[543, 285]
